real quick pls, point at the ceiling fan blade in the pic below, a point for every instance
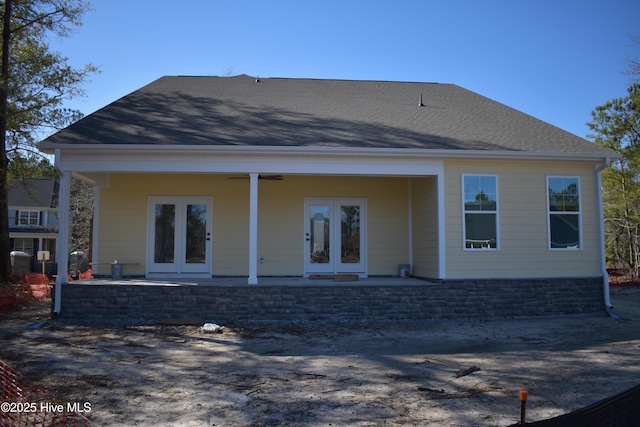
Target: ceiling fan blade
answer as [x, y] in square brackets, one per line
[267, 177]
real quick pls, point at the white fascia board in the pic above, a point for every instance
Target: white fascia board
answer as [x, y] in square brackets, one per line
[314, 160]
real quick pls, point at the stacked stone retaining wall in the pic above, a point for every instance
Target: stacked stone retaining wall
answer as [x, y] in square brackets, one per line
[356, 302]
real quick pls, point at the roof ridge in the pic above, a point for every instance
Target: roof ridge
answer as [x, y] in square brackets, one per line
[319, 79]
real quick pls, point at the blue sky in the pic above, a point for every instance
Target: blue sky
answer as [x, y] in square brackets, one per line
[555, 60]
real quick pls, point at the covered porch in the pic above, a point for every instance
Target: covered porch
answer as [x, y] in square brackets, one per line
[255, 226]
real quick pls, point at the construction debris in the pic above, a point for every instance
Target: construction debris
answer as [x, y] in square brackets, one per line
[211, 328]
[465, 372]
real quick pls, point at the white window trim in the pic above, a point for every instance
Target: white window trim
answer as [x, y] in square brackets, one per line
[464, 212]
[30, 212]
[579, 213]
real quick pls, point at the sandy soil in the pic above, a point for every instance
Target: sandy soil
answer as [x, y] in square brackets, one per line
[396, 375]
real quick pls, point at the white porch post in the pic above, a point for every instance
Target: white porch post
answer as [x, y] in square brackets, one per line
[410, 222]
[442, 241]
[253, 229]
[62, 244]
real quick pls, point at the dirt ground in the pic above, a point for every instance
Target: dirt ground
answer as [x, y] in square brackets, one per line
[395, 375]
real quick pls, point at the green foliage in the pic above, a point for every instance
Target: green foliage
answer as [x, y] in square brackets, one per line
[40, 80]
[34, 83]
[30, 167]
[616, 125]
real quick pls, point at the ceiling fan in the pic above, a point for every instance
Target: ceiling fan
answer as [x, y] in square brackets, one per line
[266, 177]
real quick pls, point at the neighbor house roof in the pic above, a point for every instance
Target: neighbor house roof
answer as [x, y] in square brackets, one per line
[245, 111]
[34, 193]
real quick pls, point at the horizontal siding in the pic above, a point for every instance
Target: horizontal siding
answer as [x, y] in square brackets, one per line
[424, 198]
[123, 229]
[280, 225]
[388, 226]
[523, 223]
[123, 219]
[281, 212]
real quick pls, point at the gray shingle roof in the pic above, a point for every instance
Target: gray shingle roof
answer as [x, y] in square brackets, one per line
[34, 192]
[238, 111]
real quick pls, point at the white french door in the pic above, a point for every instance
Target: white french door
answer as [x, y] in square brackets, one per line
[179, 236]
[335, 236]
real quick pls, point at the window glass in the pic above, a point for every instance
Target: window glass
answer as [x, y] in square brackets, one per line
[563, 194]
[23, 245]
[564, 212]
[480, 197]
[29, 218]
[165, 233]
[480, 193]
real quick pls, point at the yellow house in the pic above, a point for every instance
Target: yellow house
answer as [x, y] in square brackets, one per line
[204, 177]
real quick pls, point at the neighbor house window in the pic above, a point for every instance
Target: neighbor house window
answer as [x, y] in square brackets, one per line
[480, 205]
[29, 218]
[564, 212]
[23, 245]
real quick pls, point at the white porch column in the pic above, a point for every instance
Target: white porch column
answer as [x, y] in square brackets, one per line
[253, 229]
[442, 241]
[62, 244]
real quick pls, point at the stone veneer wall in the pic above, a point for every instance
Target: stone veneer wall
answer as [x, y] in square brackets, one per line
[350, 302]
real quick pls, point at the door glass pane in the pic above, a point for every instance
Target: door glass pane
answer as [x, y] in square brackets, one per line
[319, 215]
[196, 249]
[350, 234]
[164, 234]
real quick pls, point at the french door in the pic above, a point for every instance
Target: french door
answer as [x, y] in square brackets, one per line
[335, 236]
[179, 236]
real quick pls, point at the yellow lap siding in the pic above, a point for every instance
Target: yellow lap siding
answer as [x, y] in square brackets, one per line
[424, 198]
[281, 216]
[523, 223]
[123, 219]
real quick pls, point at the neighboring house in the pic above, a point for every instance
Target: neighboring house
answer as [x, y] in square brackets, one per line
[33, 215]
[238, 176]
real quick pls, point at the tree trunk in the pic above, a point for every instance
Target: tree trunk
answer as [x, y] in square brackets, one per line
[5, 241]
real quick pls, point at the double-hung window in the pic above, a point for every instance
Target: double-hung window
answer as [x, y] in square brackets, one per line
[29, 218]
[563, 200]
[480, 207]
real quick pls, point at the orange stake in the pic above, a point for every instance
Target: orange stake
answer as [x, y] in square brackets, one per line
[524, 394]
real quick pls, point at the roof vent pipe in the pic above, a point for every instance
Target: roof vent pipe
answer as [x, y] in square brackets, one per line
[420, 104]
[258, 79]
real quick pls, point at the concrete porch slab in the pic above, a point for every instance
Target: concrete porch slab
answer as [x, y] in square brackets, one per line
[262, 281]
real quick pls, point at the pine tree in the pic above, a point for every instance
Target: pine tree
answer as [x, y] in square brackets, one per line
[616, 125]
[34, 83]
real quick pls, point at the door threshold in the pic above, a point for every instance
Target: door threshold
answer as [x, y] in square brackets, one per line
[336, 277]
